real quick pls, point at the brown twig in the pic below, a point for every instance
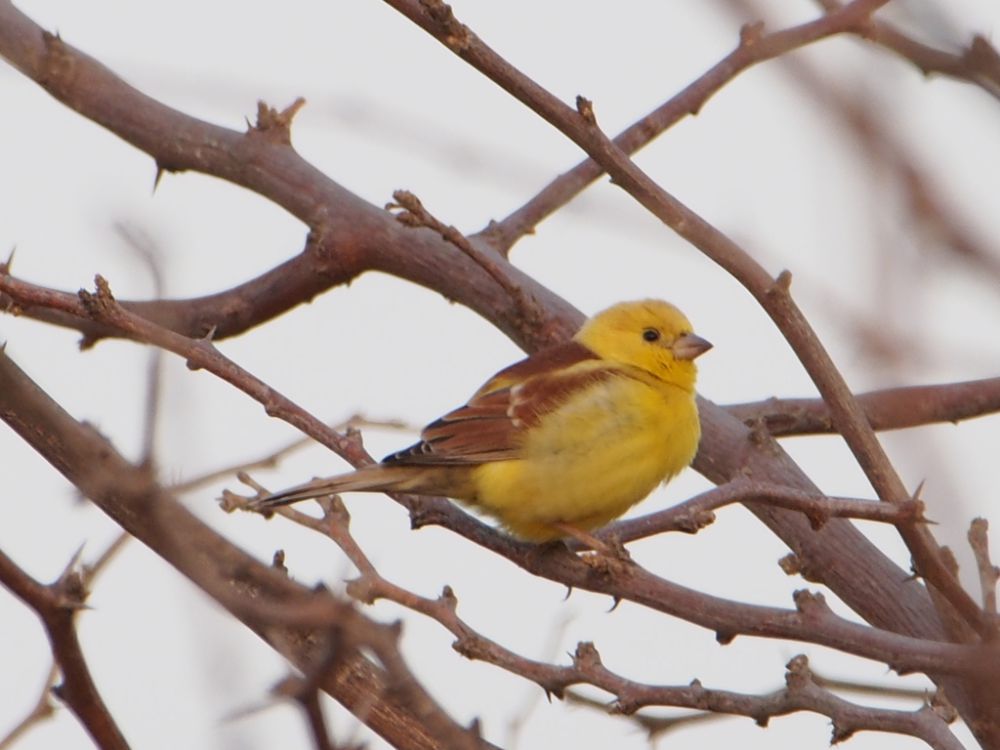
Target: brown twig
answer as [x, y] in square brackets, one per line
[413, 214]
[273, 458]
[696, 512]
[270, 604]
[56, 605]
[978, 63]
[811, 622]
[889, 409]
[801, 693]
[754, 47]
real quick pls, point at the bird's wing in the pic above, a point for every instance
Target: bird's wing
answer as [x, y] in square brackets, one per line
[492, 425]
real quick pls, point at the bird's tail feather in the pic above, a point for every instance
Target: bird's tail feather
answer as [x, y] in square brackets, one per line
[374, 478]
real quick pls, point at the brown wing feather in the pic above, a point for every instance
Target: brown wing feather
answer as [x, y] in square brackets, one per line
[491, 426]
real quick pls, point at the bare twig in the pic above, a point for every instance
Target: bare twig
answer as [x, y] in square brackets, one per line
[811, 622]
[273, 458]
[801, 693]
[754, 47]
[889, 409]
[978, 63]
[268, 602]
[56, 605]
[696, 512]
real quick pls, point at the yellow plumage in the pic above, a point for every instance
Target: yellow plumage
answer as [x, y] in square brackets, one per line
[567, 439]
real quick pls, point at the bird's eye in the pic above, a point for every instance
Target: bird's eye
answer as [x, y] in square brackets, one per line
[651, 334]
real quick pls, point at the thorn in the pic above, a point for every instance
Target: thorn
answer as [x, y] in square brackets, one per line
[724, 637]
[160, 170]
[615, 601]
[8, 264]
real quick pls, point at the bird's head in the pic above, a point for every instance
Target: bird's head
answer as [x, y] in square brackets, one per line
[651, 335]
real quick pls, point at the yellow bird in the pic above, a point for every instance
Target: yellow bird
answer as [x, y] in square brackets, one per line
[564, 441]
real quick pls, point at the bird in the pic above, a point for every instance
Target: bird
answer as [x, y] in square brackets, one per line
[562, 442]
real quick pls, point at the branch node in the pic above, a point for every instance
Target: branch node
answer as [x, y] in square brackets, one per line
[100, 303]
[811, 604]
[364, 589]
[750, 33]
[454, 34]
[274, 125]
[278, 561]
[448, 598]
[586, 658]
[586, 109]
[797, 674]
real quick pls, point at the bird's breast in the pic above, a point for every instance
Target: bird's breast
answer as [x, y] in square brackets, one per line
[593, 457]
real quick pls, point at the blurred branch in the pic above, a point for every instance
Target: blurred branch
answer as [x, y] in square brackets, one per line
[347, 235]
[876, 134]
[56, 605]
[754, 47]
[889, 409]
[142, 245]
[273, 458]
[978, 64]
[277, 609]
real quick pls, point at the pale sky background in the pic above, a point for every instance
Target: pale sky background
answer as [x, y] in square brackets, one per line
[390, 108]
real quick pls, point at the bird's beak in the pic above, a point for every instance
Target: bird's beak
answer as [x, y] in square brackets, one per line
[690, 346]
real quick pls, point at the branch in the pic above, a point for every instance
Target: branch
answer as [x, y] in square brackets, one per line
[812, 621]
[347, 235]
[889, 409]
[978, 64]
[754, 47]
[263, 598]
[56, 605]
[801, 694]
[693, 514]
[860, 574]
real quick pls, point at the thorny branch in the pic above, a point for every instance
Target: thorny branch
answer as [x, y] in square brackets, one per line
[340, 267]
[802, 692]
[56, 605]
[291, 618]
[889, 409]
[773, 294]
